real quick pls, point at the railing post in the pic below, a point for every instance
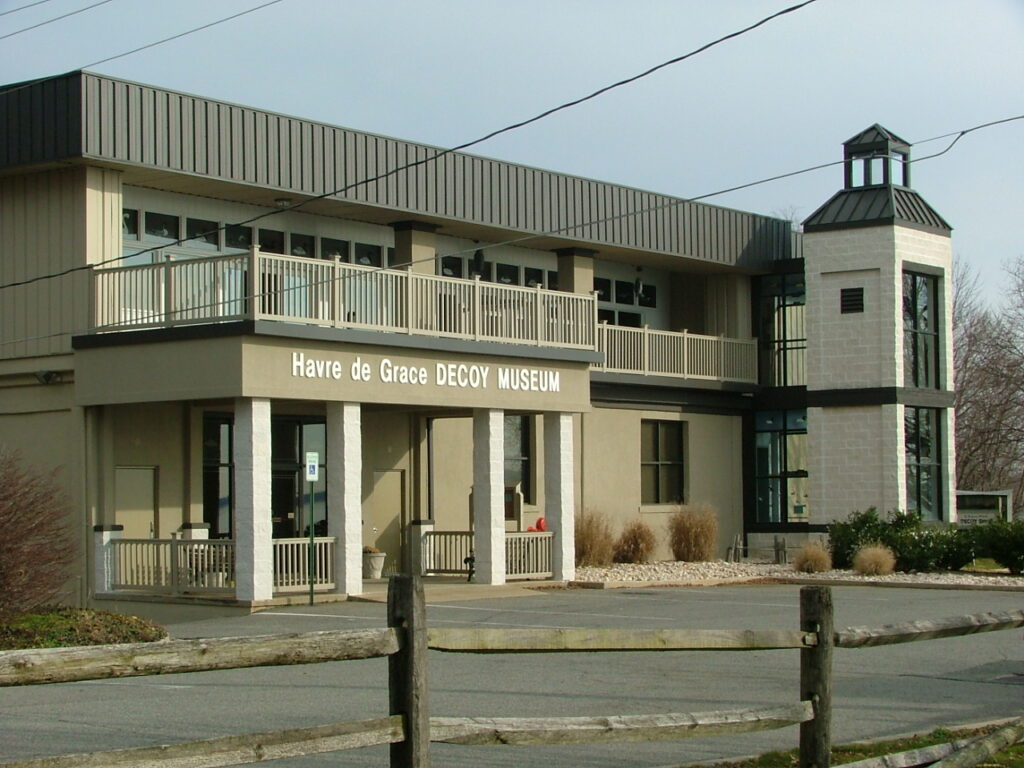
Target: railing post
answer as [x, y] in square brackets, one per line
[645, 350]
[816, 676]
[407, 672]
[252, 283]
[541, 326]
[409, 277]
[168, 292]
[175, 566]
[476, 308]
[686, 353]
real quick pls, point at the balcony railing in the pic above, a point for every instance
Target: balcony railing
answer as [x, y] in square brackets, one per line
[262, 286]
[676, 354]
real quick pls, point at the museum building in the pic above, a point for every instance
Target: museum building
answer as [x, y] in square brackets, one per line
[252, 345]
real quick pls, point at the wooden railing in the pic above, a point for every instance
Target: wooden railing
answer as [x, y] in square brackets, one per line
[676, 354]
[175, 566]
[409, 728]
[527, 554]
[262, 286]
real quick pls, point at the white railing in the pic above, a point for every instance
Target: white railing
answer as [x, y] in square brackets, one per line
[173, 566]
[527, 555]
[260, 286]
[291, 564]
[676, 354]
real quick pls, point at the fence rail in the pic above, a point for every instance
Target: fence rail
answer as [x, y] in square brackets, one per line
[527, 553]
[409, 729]
[676, 354]
[264, 286]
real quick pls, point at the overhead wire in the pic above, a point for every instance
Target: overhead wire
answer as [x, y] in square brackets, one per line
[561, 230]
[433, 158]
[23, 7]
[55, 18]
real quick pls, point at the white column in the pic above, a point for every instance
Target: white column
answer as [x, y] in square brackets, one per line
[560, 494]
[254, 556]
[488, 495]
[345, 494]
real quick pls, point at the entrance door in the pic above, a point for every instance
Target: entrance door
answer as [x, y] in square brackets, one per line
[384, 516]
[135, 502]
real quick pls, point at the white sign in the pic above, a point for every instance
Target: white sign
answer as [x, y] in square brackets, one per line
[312, 466]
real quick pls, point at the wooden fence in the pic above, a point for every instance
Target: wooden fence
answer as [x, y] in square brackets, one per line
[409, 728]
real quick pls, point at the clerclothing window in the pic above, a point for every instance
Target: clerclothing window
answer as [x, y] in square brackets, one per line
[162, 227]
[518, 464]
[661, 462]
[202, 233]
[920, 330]
[783, 330]
[922, 443]
[218, 477]
[780, 466]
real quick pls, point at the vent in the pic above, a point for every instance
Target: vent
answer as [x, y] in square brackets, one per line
[851, 300]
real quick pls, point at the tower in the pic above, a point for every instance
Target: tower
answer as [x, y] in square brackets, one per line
[878, 267]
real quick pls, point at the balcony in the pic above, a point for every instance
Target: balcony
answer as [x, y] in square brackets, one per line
[289, 289]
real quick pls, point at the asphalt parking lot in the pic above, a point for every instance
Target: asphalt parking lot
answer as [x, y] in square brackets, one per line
[878, 691]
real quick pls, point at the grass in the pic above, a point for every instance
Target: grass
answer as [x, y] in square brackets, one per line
[60, 627]
[849, 753]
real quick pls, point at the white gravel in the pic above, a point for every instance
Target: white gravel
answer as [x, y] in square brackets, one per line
[719, 571]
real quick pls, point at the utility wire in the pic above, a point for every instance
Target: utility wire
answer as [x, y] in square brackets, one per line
[55, 18]
[561, 230]
[23, 7]
[433, 158]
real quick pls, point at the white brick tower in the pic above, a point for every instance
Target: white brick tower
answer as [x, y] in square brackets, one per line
[878, 267]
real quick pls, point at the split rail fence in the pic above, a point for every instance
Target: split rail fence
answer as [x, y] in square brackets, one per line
[409, 728]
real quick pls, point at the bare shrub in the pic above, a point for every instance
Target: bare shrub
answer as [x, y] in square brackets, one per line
[594, 541]
[35, 549]
[635, 544]
[874, 560]
[693, 533]
[812, 557]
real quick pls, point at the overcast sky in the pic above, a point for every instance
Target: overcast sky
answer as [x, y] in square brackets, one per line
[777, 99]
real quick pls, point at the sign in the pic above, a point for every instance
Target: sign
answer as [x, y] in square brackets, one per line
[312, 466]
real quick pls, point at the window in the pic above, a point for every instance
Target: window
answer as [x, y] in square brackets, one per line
[661, 462]
[202, 233]
[291, 506]
[920, 331]
[783, 330]
[302, 245]
[271, 241]
[780, 466]
[218, 476]
[647, 296]
[603, 288]
[239, 237]
[506, 274]
[518, 466]
[921, 441]
[368, 255]
[162, 226]
[130, 224]
[452, 266]
[533, 277]
[552, 280]
[624, 292]
[335, 250]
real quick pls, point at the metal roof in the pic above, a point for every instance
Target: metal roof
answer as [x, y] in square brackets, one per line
[169, 140]
[875, 137]
[876, 206]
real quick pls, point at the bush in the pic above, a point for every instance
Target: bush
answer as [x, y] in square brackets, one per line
[874, 560]
[812, 557]
[858, 529]
[594, 542]
[916, 546]
[1003, 542]
[693, 533]
[67, 626]
[35, 548]
[636, 543]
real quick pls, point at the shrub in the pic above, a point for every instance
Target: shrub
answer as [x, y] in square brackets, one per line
[69, 626]
[594, 542]
[916, 546]
[847, 536]
[693, 533]
[635, 544]
[35, 548]
[874, 560]
[812, 557]
[1003, 542]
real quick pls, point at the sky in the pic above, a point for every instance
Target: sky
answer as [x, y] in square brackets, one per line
[780, 98]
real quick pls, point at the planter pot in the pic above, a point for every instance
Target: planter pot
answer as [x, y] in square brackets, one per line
[373, 564]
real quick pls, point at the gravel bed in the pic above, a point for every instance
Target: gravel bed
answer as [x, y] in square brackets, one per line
[719, 571]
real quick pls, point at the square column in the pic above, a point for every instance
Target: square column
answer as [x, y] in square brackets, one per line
[560, 494]
[254, 549]
[489, 495]
[345, 494]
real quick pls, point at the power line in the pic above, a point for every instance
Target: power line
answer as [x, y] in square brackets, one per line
[55, 18]
[561, 230]
[23, 7]
[433, 158]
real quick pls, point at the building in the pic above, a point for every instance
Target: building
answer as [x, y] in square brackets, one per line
[437, 349]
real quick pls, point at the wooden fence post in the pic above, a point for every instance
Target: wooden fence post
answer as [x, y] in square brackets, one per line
[407, 672]
[816, 676]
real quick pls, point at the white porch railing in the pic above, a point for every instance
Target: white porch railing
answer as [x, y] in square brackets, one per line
[527, 555]
[291, 564]
[261, 286]
[175, 566]
[676, 354]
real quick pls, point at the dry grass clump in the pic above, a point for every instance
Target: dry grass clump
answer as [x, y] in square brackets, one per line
[693, 533]
[812, 557]
[874, 560]
[635, 544]
[594, 541]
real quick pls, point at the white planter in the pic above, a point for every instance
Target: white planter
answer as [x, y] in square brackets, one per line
[373, 564]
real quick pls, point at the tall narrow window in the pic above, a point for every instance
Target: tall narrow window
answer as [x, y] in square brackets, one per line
[922, 442]
[783, 330]
[661, 462]
[518, 466]
[920, 331]
[218, 478]
[780, 472]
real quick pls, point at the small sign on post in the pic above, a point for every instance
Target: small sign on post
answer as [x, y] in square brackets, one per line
[312, 466]
[312, 475]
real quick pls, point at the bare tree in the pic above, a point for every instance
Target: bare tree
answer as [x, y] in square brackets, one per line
[35, 548]
[989, 358]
